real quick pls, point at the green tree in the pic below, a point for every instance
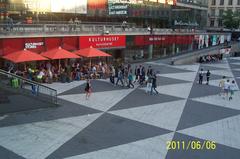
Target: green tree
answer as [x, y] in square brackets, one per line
[231, 20]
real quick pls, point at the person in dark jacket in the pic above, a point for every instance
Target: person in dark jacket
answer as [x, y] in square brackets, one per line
[154, 84]
[208, 76]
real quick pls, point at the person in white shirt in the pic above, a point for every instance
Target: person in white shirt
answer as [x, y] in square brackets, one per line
[232, 88]
[226, 88]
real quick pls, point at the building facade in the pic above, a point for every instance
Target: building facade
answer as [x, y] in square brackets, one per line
[216, 9]
[190, 14]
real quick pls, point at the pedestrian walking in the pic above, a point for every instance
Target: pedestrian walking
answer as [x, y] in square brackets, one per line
[112, 76]
[149, 84]
[208, 76]
[130, 79]
[88, 89]
[226, 88]
[232, 88]
[136, 74]
[221, 84]
[149, 71]
[120, 77]
[200, 74]
[154, 84]
[126, 72]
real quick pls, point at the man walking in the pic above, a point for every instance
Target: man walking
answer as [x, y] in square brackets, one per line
[154, 84]
[120, 77]
[200, 76]
[208, 76]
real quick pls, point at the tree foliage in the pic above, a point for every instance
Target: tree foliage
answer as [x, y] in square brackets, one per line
[231, 20]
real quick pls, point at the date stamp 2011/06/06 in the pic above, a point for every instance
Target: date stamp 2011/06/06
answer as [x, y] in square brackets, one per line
[191, 145]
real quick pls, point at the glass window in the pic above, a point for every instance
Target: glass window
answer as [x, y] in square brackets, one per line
[238, 2]
[230, 2]
[212, 13]
[221, 12]
[213, 2]
[221, 2]
[212, 23]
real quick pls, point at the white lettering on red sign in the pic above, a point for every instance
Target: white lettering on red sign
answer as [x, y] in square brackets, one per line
[33, 45]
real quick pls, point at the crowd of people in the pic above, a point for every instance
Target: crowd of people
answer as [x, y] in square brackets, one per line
[210, 58]
[49, 72]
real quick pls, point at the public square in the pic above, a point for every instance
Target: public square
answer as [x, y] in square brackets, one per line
[121, 123]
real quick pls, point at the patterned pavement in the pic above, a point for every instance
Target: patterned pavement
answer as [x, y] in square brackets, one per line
[120, 123]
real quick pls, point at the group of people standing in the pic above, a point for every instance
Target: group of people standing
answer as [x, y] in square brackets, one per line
[227, 88]
[201, 76]
[127, 76]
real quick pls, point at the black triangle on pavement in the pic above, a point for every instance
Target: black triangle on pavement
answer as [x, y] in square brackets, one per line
[97, 86]
[220, 152]
[7, 154]
[139, 98]
[105, 132]
[201, 90]
[64, 110]
[197, 113]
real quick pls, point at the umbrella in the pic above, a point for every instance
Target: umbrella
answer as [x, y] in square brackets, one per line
[24, 56]
[91, 52]
[59, 53]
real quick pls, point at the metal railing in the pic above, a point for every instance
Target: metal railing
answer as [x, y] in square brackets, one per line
[27, 87]
[82, 28]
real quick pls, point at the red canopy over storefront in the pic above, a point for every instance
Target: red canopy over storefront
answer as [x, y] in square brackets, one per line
[91, 52]
[59, 53]
[24, 56]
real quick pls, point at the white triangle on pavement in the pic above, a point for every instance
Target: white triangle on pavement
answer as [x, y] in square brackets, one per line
[99, 100]
[40, 139]
[186, 76]
[151, 148]
[62, 87]
[163, 115]
[181, 90]
[225, 131]
[227, 72]
[221, 101]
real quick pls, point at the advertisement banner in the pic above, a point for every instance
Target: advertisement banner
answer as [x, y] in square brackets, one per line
[117, 8]
[34, 44]
[206, 40]
[214, 40]
[108, 41]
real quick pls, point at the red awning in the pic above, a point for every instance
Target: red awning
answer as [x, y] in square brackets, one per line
[91, 52]
[24, 56]
[59, 53]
